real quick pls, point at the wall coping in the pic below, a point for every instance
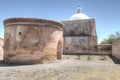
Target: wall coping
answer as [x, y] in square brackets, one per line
[37, 21]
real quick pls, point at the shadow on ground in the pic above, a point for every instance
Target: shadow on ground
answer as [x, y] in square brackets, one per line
[2, 64]
[114, 59]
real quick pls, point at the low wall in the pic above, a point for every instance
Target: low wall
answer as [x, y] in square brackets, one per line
[104, 48]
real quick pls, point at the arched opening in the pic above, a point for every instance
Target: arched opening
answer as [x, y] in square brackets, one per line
[59, 50]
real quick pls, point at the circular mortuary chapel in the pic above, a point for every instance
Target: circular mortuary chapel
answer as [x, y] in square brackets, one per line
[31, 40]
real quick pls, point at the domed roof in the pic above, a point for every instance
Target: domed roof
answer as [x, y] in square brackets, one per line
[79, 15]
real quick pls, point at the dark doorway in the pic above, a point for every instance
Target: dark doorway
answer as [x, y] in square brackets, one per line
[59, 50]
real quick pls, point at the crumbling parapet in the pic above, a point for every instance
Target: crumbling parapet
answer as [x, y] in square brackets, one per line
[31, 40]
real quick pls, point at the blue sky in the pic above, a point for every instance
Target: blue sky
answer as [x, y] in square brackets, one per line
[105, 12]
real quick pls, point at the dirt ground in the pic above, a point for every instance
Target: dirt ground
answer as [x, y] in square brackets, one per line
[66, 69]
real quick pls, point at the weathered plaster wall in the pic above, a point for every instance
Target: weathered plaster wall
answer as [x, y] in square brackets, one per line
[84, 27]
[80, 36]
[76, 44]
[29, 40]
[116, 50]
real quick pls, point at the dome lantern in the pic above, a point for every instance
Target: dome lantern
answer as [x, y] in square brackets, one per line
[79, 15]
[79, 10]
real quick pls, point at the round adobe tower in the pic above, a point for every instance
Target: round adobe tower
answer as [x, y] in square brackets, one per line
[31, 40]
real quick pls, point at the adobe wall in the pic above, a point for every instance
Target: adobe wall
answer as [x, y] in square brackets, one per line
[85, 27]
[116, 50]
[76, 45]
[105, 48]
[31, 40]
[1, 43]
[1, 46]
[80, 36]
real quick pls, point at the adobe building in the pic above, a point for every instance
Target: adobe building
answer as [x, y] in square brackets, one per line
[80, 34]
[31, 40]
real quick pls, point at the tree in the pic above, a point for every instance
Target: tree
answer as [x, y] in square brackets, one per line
[112, 38]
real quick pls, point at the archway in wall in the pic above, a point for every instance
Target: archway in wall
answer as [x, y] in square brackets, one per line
[59, 50]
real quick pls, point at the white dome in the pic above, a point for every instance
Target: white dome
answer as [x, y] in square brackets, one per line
[79, 15]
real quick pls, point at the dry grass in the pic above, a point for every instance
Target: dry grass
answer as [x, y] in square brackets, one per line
[75, 74]
[67, 69]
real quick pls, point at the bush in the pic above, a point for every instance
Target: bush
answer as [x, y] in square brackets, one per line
[112, 38]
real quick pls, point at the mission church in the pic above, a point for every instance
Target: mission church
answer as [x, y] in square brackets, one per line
[32, 40]
[80, 34]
